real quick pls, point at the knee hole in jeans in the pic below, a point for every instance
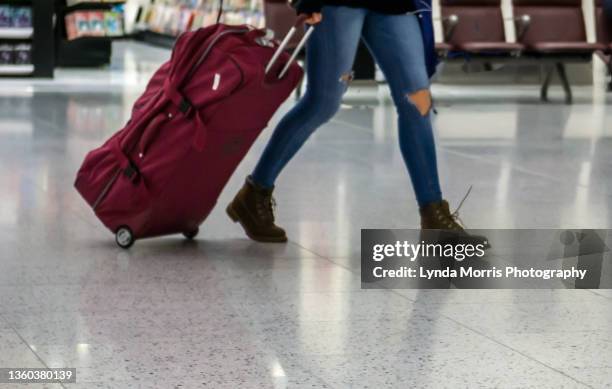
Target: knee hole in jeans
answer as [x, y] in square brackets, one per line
[421, 100]
[347, 77]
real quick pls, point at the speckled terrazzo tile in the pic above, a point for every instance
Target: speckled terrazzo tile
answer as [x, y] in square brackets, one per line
[324, 278]
[211, 285]
[14, 352]
[242, 247]
[269, 380]
[203, 249]
[214, 323]
[109, 269]
[94, 362]
[161, 259]
[31, 386]
[273, 382]
[246, 264]
[104, 298]
[563, 350]
[194, 361]
[323, 306]
[603, 292]
[567, 316]
[596, 377]
[508, 296]
[63, 328]
[4, 325]
[113, 385]
[132, 269]
[482, 367]
[415, 334]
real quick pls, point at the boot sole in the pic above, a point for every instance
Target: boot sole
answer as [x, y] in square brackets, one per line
[235, 217]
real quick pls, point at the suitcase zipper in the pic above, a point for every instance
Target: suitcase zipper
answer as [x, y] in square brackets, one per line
[210, 47]
[106, 189]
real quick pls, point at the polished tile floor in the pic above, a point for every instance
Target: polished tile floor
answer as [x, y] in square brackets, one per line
[224, 312]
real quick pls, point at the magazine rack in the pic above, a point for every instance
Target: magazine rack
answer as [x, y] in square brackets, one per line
[38, 38]
[90, 51]
[161, 21]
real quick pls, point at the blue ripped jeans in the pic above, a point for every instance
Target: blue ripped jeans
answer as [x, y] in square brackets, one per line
[396, 44]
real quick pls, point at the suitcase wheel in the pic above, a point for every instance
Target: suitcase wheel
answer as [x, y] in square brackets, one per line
[191, 234]
[124, 237]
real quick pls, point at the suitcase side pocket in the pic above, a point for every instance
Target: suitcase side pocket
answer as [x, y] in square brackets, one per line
[106, 187]
[94, 178]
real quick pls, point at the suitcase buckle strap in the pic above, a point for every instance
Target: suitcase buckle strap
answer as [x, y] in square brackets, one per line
[131, 171]
[181, 102]
[185, 106]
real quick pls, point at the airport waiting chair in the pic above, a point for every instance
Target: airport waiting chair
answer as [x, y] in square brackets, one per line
[475, 27]
[554, 31]
[603, 27]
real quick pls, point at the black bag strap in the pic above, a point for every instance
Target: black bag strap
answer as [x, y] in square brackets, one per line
[220, 12]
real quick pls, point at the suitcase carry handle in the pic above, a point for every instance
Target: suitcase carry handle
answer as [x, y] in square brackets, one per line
[296, 52]
[300, 21]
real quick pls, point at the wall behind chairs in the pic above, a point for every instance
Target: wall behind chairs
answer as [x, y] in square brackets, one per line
[580, 74]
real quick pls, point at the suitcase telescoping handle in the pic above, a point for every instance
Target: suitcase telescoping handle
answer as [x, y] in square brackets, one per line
[285, 42]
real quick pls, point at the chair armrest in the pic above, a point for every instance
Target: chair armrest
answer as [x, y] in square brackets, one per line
[449, 23]
[522, 24]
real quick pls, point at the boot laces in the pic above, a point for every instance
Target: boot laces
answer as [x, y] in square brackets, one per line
[272, 206]
[455, 214]
[268, 207]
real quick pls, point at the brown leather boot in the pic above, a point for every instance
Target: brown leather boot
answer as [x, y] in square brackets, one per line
[253, 208]
[437, 216]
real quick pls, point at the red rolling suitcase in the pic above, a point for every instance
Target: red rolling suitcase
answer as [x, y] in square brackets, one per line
[199, 115]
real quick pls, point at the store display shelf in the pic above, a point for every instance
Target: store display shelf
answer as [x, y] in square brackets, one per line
[157, 39]
[90, 38]
[16, 70]
[86, 52]
[16, 33]
[92, 5]
[16, 2]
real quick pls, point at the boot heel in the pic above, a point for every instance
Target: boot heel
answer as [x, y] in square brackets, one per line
[231, 213]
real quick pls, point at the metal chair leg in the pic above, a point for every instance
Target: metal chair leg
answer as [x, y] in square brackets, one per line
[546, 83]
[565, 82]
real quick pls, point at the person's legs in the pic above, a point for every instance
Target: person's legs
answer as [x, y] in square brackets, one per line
[395, 42]
[331, 53]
